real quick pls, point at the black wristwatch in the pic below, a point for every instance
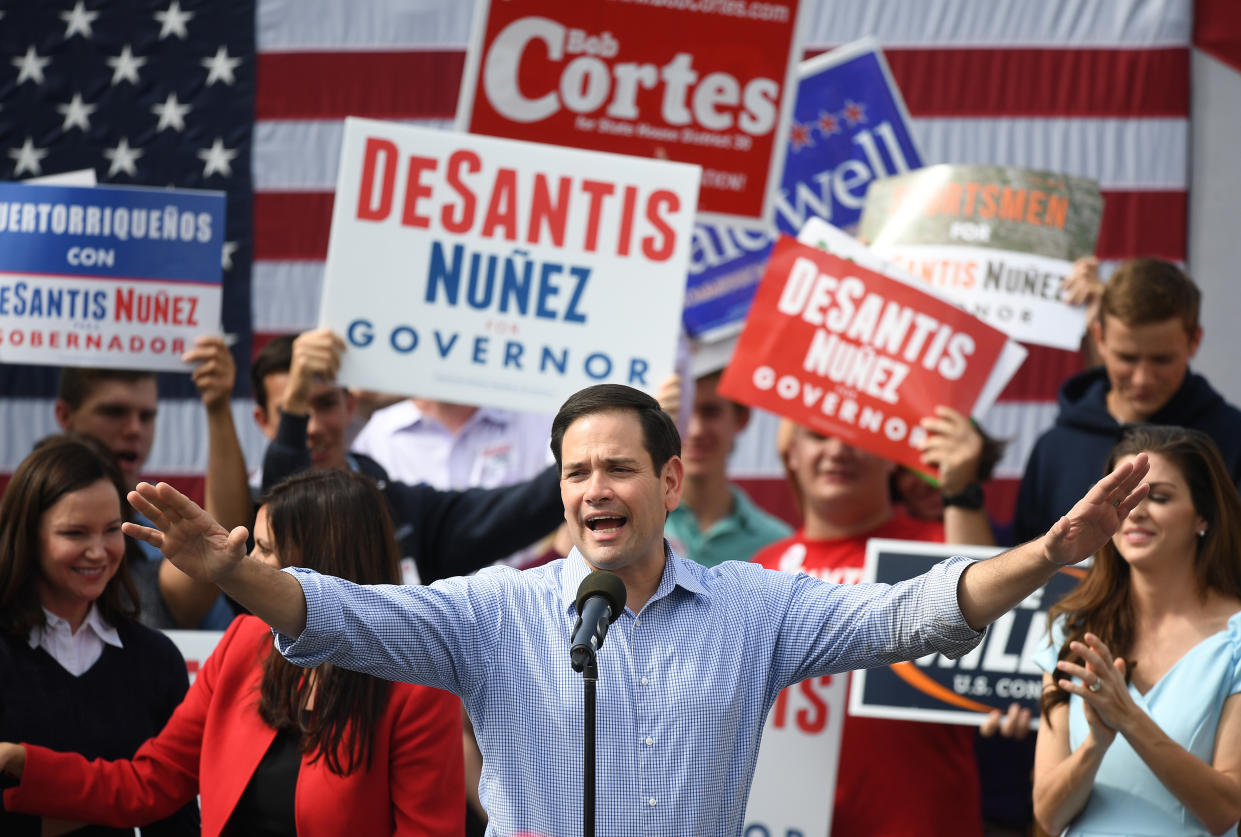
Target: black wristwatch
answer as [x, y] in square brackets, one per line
[969, 497]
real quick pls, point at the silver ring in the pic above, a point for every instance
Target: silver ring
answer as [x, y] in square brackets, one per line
[1115, 504]
[1095, 686]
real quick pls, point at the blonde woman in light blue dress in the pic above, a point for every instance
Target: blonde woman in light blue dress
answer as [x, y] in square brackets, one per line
[1141, 724]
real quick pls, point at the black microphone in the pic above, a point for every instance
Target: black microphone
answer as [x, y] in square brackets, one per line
[600, 599]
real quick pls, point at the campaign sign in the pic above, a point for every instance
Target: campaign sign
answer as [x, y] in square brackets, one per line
[795, 775]
[994, 675]
[1000, 241]
[107, 276]
[705, 83]
[503, 273]
[850, 127]
[857, 355]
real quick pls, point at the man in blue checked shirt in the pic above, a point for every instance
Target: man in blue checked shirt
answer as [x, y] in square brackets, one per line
[690, 668]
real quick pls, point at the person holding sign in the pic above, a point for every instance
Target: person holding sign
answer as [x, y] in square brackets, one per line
[716, 520]
[1141, 729]
[118, 407]
[270, 748]
[1147, 330]
[304, 413]
[844, 495]
[693, 663]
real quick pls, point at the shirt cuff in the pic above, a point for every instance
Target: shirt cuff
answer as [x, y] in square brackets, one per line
[317, 640]
[947, 629]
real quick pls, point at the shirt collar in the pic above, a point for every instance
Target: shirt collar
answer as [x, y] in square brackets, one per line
[678, 572]
[94, 621]
[414, 417]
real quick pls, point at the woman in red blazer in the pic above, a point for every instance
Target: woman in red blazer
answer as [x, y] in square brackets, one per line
[269, 747]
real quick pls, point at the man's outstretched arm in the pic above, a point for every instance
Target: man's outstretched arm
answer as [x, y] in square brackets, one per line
[990, 588]
[202, 549]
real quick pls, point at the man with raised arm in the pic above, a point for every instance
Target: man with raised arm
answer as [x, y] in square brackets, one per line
[691, 666]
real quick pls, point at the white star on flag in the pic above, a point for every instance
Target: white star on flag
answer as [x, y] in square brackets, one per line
[220, 67]
[171, 113]
[123, 158]
[173, 20]
[30, 66]
[217, 159]
[226, 255]
[78, 21]
[76, 113]
[125, 66]
[27, 158]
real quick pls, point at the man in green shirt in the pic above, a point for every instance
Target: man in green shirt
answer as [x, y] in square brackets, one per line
[715, 520]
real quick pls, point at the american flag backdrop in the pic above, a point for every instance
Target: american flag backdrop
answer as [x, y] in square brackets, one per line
[1096, 88]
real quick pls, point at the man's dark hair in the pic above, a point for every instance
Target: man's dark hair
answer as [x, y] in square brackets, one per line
[659, 432]
[272, 359]
[78, 382]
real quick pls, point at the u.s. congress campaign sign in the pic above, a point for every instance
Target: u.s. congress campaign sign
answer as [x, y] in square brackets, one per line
[497, 272]
[850, 127]
[997, 673]
[107, 276]
[710, 83]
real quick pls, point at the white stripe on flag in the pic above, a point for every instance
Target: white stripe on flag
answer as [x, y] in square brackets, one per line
[1124, 154]
[984, 23]
[330, 25]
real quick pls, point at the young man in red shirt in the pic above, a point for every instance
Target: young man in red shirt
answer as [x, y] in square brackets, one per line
[894, 777]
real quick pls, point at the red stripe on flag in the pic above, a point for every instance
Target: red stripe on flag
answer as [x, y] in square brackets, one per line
[294, 225]
[1040, 376]
[191, 485]
[1217, 30]
[1144, 224]
[1043, 82]
[423, 84]
[383, 85]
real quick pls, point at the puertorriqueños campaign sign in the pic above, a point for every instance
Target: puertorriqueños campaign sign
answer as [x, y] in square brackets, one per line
[857, 355]
[107, 276]
[999, 241]
[994, 675]
[705, 83]
[850, 127]
[504, 273]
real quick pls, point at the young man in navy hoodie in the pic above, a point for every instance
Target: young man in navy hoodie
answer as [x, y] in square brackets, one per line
[1146, 332]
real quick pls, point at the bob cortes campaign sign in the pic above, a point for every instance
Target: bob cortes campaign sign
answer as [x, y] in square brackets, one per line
[503, 273]
[107, 276]
[706, 83]
[852, 353]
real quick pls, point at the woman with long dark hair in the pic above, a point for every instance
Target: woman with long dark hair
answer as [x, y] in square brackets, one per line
[274, 749]
[77, 671]
[1141, 729]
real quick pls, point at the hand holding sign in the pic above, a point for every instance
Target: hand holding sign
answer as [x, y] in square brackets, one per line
[316, 359]
[954, 447]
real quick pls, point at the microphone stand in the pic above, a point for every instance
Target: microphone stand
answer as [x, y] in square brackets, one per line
[590, 676]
